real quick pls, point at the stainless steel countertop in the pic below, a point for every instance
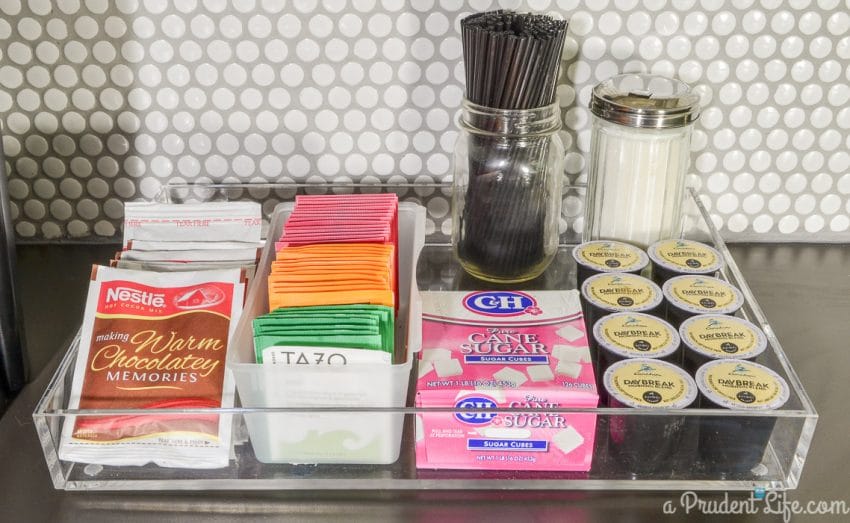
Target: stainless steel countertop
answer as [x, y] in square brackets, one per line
[803, 289]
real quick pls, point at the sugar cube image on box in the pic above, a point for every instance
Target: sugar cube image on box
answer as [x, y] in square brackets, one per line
[574, 353]
[513, 376]
[567, 440]
[425, 368]
[497, 393]
[540, 373]
[570, 333]
[569, 368]
[436, 354]
[446, 368]
[504, 433]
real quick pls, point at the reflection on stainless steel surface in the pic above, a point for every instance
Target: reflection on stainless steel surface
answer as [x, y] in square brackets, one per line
[438, 270]
[12, 372]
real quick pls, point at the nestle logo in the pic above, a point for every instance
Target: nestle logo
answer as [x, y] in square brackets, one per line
[130, 295]
[501, 303]
[475, 402]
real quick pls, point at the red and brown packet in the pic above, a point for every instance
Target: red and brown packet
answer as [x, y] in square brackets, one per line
[154, 341]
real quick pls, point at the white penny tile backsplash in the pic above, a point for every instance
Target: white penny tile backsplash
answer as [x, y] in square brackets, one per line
[105, 101]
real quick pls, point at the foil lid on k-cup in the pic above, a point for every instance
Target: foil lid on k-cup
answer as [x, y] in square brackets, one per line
[702, 295]
[720, 336]
[610, 256]
[685, 257]
[636, 335]
[742, 385]
[620, 292]
[649, 384]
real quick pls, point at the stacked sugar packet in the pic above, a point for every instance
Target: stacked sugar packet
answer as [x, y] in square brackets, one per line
[190, 237]
[333, 282]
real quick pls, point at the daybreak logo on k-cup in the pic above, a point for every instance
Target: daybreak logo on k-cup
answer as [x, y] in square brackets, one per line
[610, 256]
[690, 295]
[719, 336]
[618, 292]
[681, 256]
[636, 335]
[605, 256]
[741, 385]
[644, 383]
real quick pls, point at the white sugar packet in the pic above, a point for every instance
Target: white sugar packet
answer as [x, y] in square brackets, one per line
[165, 245]
[208, 221]
[208, 255]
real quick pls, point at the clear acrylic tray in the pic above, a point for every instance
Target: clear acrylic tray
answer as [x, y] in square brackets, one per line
[780, 469]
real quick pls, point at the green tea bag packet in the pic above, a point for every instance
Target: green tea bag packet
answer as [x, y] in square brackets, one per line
[369, 328]
[384, 315]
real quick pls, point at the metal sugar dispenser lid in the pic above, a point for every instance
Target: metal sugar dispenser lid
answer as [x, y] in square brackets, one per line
[645, 101]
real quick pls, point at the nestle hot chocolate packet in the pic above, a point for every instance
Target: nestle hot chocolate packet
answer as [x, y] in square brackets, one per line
[505, 349]
[154, 341]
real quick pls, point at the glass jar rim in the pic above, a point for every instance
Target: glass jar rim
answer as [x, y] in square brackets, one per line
[468, 104]
[539, 121]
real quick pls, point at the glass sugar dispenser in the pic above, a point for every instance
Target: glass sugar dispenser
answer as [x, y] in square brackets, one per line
[639, 155]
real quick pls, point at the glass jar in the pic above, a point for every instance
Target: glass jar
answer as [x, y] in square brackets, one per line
[639, 153]
[506, 199]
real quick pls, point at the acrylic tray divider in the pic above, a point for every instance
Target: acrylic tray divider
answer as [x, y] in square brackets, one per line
[780, 469]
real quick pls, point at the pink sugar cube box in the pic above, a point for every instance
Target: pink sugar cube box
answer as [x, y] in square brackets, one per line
[504, 349]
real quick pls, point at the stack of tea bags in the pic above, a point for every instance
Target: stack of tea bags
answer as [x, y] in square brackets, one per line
[328, 274]
[190, 237]
[367, 329]
[334, 280]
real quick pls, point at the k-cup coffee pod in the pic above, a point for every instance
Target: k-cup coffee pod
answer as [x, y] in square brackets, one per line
[736, 444]
[645, 444]
[605, 294]
[688, 296]
[709, 337]
[605, 256]
[677, 257]
[629, 335]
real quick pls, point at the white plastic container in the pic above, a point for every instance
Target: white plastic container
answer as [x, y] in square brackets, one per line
[330, 437]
